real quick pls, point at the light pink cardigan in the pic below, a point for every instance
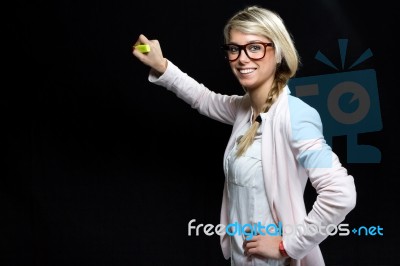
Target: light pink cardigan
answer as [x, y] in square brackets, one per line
[293, 150]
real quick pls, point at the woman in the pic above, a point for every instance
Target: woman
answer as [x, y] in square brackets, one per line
[276, 145]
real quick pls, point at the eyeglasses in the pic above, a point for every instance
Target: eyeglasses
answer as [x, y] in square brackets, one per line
[255, 50]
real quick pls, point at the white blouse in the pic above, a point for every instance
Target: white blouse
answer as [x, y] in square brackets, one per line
[248, 203]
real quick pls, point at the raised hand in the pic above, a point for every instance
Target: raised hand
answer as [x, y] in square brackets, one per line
[154, 58]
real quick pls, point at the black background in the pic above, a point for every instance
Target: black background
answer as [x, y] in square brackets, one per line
[104, 168]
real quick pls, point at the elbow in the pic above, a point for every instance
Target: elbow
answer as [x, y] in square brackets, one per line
[352, 200]
[349, 198]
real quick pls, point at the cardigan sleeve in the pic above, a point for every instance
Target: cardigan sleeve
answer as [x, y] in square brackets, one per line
[336, 193]
[222, 108]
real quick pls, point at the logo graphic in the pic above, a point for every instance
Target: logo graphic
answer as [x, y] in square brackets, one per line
[250, 230]
[348, 103]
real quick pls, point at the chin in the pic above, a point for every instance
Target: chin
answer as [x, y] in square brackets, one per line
[247, 85]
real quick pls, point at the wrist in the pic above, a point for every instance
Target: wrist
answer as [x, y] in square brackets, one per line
[282, 250]
[163, 66]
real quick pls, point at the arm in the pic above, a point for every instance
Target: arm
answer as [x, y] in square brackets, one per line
[164, 73]
[334, 186]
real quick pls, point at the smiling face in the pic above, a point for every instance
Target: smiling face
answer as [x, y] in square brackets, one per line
[253, 74]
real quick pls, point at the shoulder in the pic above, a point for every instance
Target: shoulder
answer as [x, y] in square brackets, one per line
[292, 104]
[303, 120]
[300, 110]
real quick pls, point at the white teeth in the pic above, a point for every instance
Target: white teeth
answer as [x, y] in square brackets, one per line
[246, 71]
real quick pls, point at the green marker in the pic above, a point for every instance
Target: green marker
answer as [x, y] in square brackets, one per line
[143, 48]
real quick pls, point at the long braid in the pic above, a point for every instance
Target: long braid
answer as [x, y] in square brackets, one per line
[281, 78]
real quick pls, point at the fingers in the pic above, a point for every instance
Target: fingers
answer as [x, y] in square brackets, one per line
[263, 245]
[154, 58]
[141, 56]
[250, 245]
[142, 40]
[250, 248]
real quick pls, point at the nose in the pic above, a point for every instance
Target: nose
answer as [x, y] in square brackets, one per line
[243, 56]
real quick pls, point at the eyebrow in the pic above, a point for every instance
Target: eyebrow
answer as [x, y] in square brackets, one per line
[253, 41]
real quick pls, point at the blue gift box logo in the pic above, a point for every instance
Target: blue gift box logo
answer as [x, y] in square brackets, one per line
[348, 103]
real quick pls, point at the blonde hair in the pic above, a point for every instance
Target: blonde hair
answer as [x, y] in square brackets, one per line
[263, 22]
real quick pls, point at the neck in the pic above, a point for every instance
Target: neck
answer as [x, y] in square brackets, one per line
[258, 99]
